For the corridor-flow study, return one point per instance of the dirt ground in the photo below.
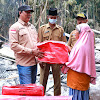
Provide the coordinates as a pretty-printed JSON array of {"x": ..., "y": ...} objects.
[
  {"x": 9, "y": 76},
  {"x": 95, "y": 89}
]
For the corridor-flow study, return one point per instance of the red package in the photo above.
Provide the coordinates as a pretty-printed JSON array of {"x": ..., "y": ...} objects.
[
  {"x": 26, "y": 89},
  {"x": 13, "y": 97},
  {"x": 55, "y": 52}
]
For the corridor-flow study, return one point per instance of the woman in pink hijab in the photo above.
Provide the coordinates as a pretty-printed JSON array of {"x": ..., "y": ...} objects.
[{"x": 81, "y": 64}]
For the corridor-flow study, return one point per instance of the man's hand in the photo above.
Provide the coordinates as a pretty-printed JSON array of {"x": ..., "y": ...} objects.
[
  {"x": 42, "y": 64},
  {"x": 38, "y": 53}
]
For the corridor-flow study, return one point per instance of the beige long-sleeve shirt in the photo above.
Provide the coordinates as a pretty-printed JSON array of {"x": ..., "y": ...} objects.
[
  {"x": 46, "y": 33},
  {"x": 23, "y": 38},
  {"x": 74, "y": 35}
]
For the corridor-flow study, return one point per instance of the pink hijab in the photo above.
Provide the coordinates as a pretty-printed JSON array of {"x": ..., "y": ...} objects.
[{"x": 82, "y": 57}]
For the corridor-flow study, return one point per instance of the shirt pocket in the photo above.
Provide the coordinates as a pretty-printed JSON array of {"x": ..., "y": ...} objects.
[
  {"x": 23, "y": 36},
  {"x": 34, "y": 34},
  {"x": 57, "y": 37},
  {"x": 46, "y": 36}
]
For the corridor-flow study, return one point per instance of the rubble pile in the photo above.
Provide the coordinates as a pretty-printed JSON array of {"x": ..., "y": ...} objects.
[{"x": 9, "y": 76}]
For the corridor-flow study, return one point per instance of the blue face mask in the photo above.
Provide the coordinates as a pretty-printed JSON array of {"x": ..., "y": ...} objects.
[{"x": 52, "y": 21}]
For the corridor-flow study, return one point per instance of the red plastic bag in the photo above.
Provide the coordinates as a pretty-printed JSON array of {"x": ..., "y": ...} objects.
[
  {"x": 55, "y": 52},
  {"x": 13, "y": 97},
  {"x": 26, "y": 89}
]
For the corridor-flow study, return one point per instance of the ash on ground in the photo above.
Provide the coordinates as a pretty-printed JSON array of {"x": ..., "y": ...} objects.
[{"x": 9, "y": 76}]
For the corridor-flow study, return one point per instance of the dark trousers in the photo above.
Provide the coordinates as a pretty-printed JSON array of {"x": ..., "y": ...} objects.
[{"x": 44, "y": 72}]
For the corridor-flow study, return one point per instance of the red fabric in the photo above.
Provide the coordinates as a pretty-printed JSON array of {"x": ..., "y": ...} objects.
[
  {"x": 9, "y": 97},
  {"x": 26, "y": 89},
  {"x": 55, "y": 52}
]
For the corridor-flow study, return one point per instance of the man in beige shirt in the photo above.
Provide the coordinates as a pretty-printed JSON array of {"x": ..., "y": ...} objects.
[
  {"x": 23, "y": 40},
  {"x": 51, "y": 31}
]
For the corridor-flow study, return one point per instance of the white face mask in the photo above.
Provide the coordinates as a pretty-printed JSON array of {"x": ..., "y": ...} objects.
[{"x": 52, "y": 21}]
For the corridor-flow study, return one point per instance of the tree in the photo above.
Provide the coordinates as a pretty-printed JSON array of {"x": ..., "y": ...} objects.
[{"x": 67, "y": 9}]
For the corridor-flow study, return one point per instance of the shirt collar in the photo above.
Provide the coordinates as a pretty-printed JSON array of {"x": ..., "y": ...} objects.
[
  {"x": 23, "y": 23},
  {"x": 56, "y": 26}
]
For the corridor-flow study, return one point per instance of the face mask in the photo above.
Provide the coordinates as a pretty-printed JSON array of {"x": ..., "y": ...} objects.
[{"x": 52, "y": 21}]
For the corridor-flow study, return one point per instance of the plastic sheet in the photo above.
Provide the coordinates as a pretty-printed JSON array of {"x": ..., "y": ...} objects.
[
  {"x": 9, "y": 97},
  {"x": 55, "y": 52},
  {"x": 27, "y": 89}
]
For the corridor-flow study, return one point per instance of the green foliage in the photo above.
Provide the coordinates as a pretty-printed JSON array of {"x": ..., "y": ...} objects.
[
  {"x": 8, "y": 14},
  {"x": 71, "y": 2}
]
